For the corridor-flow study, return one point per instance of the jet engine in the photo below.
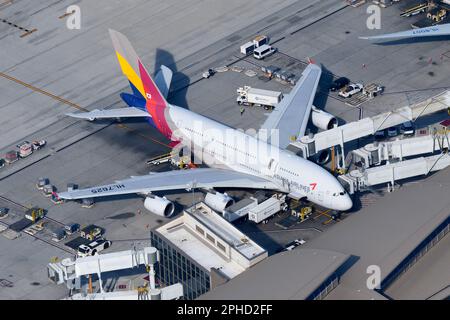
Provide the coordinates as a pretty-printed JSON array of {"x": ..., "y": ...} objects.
[
  {"x": 322, "y": 157},
  {"x": 218, "y": 201},
  {"x": 322, "y": 120},
  {"x": 160, "y": 206}
]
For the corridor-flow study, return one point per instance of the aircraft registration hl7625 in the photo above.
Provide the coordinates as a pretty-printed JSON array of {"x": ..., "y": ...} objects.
[{"x": 235, "y": 159}]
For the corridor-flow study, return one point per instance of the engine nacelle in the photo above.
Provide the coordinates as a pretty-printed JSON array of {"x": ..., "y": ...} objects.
[
  {"x": 160, "y": 206},
  {"x": 322, "y": 120},
  {"x": 322, "y": 157},
  {"x": 218, "y": 201}
]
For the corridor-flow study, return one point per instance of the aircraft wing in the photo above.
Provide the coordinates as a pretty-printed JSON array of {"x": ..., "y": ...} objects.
[
  {"x": 207, "y": 178},
  {"x": 130, "y": 112},
  {"x": 438, "y": 30},
  {"x": 291, "y": 115}
]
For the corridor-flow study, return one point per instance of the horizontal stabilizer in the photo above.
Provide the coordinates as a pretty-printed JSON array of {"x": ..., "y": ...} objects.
[{"x": 110, "y": 114}]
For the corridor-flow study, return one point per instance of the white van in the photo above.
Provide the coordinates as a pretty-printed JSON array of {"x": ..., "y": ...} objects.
[{"x": 263, "y": 51}]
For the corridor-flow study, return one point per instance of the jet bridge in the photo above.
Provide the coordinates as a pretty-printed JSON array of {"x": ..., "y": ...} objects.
[
  {"x": 375, "y": 153},
  {"x": 358, "y": 180},
  {"x": 311, "y": 145},
  {"x": 70, "y": 271}
]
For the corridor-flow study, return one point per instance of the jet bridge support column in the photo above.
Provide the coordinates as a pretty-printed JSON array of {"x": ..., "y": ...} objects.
[{"x": 342, "y": 149}]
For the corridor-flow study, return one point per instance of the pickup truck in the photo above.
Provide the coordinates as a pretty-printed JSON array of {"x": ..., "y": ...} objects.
[{"x": 350, "y": 90}]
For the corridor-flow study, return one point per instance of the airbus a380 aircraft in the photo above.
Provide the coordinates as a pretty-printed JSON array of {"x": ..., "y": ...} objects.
[{"x": 234, "y": 158}]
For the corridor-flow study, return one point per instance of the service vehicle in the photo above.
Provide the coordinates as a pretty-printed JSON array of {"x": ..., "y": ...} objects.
[
  {"x": 42, "y": 182},
  {"x": 294, "y": 244},
  {"x": 11, "y": 157},
  {"x": 71, "y": 228},
  {"x": 25, "y": 149},
  {"x": 407, "y": 129},
  {"x": 38, "y": 144},
  {"x": 263, "y": 211},
  {"x": 91, "y": 232},
  {"x": 93, "y": 248},
  {"x": 247, "y": 48},
  {"x": 339, "y": 83},
  {"x": 208, "y": 73},
  {"x": 257, "y": 42},
  {"x": 58, "y": 234},
  {"x": 350, "y": 90},
  {"x": 260, "y": 41},
  {"x": 249, "y": 96},
  {"x": 240, "y": 209},
  {"x": 372, "y": 90},
  {"x": 34, "y": 214},
  {"x": 380, "y": 134},
  {"x": 270, "y": 71},
  {"x": 263, "y": 51},
  {"x": 392, "y": 132},
  {"x": 3, "y": 212}
]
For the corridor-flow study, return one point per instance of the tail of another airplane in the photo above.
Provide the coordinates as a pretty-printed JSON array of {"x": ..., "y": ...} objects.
[{"x": 139, "y": 78}]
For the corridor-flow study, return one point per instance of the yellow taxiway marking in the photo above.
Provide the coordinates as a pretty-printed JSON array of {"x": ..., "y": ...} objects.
[{"x": 323, "y": 213}]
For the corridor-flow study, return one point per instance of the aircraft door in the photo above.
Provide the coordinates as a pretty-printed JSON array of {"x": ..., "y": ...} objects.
[{"x": 272, "y": 167}]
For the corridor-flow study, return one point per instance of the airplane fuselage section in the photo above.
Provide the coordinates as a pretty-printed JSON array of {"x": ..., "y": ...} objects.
[{"x": 218, "y": 145}]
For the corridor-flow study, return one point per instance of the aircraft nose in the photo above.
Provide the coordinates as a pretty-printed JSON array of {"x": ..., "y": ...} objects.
[{"x": 344, "y": 203}]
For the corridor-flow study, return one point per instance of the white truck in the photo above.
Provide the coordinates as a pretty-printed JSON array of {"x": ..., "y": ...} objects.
[
  {"x": 266, "y": 209},
  {"x": 257, "y": 42},
  {"x": 249, "y": 96},
  {"x": 239, "y": 209}
]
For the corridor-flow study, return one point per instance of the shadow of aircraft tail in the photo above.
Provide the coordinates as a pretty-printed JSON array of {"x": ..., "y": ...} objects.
[{"x": 180, "y": 82}]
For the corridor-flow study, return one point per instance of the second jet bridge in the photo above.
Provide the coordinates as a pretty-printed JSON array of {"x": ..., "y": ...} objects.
[
  {"x": 308, "y": 146},
  {"x": 375, "y": 153}
]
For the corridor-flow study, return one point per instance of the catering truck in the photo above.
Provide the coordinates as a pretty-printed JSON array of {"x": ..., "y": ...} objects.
[
  {"x": 249, "y": 96},
  {"x": 266, "y": 209}
]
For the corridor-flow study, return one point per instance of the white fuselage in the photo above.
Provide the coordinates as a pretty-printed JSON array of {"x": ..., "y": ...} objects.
[{"x": 218, "y": 145}]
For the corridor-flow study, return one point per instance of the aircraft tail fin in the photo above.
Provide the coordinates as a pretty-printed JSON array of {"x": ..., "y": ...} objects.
[{"x": 136, "y": 73}]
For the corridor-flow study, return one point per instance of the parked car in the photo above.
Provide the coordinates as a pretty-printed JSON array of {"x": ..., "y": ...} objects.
[
  {"x": 407, "y": 129},
  {"x": 380, "y": 135},
  {"x": 2, "y": 162},
  {"x": 392, "y": 132},
  {"x": 338, "y": 84},
  {"x": 294, "y": 244},
  {"x": 93, "y": 248},
  {"x": 350, "y": 90}
]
